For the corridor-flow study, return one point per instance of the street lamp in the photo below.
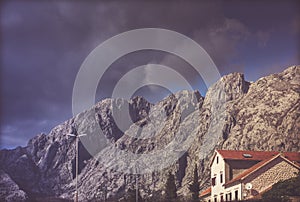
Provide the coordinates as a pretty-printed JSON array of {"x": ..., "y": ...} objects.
[
  {"x": 77, "y": 140},
  {"x": 136, "y": 187}
]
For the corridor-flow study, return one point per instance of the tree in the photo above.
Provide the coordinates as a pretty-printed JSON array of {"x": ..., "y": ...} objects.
[
  {"x": 195, "y": 186},
  {"x": 131, "y": 195},
  {"x": 171, "y": 190},
  {"x": 283, "y": 189},
  {"x": 155, "y": 196}
]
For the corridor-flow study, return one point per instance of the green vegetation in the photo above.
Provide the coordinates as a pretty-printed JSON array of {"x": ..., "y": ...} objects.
[
  {"x": 195, "y": 186},
  {"x": 282, "y": 190},
  {"x": 131, "y": 195},
  {"x": 171, "y": 190}
]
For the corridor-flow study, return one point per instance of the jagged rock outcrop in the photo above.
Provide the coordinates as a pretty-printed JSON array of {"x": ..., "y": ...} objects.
[
  {"x": 234, "y": 114},
  {"x": 9, "y": 190},
  {"x": 267, "y": 117}
]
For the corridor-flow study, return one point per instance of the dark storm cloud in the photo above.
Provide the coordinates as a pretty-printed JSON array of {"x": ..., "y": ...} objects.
[{"x": 45, "y": 42}]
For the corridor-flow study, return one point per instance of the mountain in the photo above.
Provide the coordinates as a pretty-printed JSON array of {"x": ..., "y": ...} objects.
[{"x": 170, "y": 136}]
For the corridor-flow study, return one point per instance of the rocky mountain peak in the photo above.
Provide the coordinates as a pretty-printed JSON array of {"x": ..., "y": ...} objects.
[
  {"x": 234, "y": 114},
  {"x": 229, "y": 87}
]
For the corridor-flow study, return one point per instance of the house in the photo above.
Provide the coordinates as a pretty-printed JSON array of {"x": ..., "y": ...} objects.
[{"x": 238, "y": 175}]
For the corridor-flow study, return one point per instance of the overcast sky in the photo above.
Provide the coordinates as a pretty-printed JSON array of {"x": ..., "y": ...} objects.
[{"x": 43, "y": 44}]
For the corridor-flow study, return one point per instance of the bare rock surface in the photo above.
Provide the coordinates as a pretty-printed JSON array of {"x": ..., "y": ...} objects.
[
  {"x": 234, "y": 114},
  {"x": 9, "y": 190}
]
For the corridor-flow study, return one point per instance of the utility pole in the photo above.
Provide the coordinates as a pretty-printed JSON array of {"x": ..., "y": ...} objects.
[
  {"x": 77, "y": 136},
  {"x": 136, "y": 188}
]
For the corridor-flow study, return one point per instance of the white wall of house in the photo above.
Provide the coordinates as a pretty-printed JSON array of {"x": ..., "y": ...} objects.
[
  {"x": 218, "y": 172},
  {"x": 218, "y": 191},
  {"x": 235, "y": 191},
  {"x": 261, "y": 179},
  {"x": 206, "y": 199}
]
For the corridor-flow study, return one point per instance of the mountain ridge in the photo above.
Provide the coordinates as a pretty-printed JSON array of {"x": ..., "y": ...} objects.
[{"x": 234, "y": 114}]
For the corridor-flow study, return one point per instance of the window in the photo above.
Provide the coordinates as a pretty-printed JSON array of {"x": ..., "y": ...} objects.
[
  {"x": 221, "y": 178},
  {"x": 236, "y": 195},
  {"x": 226, "y": 197},
  {"x": 213, "y": 181},
  {"x": 222, "y": 198},
  {"x": 215, "y": 200},
  {"x": 230, "y": 197},
  {"x": 208, "y": 200},
  {"x": 217, "y": 159}
]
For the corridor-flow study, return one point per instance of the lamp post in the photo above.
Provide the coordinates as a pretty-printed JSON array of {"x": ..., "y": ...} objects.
[
  {"x": 77, "y": 140},
  {"x": 136, "y": 188}
]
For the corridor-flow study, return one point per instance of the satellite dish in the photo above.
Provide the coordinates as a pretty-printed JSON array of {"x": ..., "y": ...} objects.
[{"x": 248, "y": 186}]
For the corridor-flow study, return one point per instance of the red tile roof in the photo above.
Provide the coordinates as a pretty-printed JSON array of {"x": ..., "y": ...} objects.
[
  {"x": 292, "y": 156},
  {"x": 257, "y": 155},
  {"x": 205, "y": 192},
  {"x": 289, "y": 156},
  {"x": 238, "y": 155}
]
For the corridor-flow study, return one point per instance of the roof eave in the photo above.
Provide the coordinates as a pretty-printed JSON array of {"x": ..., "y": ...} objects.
[{"x": 212, "y": 160}]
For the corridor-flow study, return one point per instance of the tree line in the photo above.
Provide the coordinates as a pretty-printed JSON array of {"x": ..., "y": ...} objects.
[{"x": 170, "y": 190}]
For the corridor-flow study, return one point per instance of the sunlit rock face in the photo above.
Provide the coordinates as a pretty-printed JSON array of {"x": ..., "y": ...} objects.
[{"x": 172, "y": 135}]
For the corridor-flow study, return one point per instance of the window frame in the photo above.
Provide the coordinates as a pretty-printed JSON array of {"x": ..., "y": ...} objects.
[
  {"x": 221, "y": 177},
  {"x": 236, "y": 195},
  {"x": 213, "y": 181}
]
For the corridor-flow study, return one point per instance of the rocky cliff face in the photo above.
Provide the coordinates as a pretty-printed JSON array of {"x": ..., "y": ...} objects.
[{"x": 234, "y": 114}]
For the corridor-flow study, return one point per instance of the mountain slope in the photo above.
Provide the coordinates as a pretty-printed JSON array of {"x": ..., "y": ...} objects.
[{"x": 234, "y": 114}]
